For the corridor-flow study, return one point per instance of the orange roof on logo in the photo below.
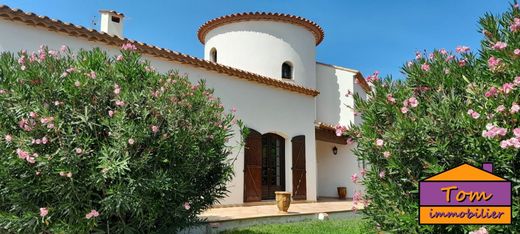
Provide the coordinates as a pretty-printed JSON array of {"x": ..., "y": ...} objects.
[{"x": 465, "y": 172}]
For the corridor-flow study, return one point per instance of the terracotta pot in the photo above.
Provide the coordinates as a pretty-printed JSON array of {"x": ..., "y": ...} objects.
[
  {"x": 283, "y": 200},
  {"x": 342, "y": 193}
]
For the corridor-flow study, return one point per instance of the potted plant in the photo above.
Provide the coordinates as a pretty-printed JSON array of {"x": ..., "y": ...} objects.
[
  {"x": 342, "y": 193},
  {"x": 283, "y": 200}
]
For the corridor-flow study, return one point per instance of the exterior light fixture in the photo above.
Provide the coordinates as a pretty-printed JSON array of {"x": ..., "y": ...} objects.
[{"x": 335, "y": 150}]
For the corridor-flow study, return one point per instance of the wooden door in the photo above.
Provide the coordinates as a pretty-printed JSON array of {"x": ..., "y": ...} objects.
[
  {"x": 298, "y": 168},
  {"x": 253, "y": 167}
]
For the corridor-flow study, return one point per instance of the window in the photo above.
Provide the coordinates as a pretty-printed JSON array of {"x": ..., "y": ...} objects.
[
  {"x": 116, "y": 19},
  {"x": 213, "y": 55},
  {"x": 287, "y": 70}
]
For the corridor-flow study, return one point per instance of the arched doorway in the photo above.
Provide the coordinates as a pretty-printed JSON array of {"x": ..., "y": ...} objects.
[
  {"x": 264, "y": 169},
  {"x": 273, "y": 165}
]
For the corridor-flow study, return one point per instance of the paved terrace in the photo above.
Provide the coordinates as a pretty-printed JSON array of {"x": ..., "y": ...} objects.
[{"x": 269, "y": 209}]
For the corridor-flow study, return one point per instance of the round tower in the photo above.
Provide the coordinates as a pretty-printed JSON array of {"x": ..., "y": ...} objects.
[{"x": 278, "y": 46}]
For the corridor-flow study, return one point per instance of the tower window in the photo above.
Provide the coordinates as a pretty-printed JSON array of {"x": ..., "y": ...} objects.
[
  {"x": 116, "y": 19},
  {"x": 287, "y": 70},
  {"x": 213, "y": 55}
]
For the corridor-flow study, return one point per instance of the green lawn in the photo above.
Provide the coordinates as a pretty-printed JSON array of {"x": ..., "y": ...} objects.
[{"x": 351, "y": 226}]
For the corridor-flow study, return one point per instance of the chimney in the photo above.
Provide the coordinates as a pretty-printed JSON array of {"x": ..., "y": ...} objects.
[
  {"x": 112, "y": 22},
  {"x": 488, "y": 167}
]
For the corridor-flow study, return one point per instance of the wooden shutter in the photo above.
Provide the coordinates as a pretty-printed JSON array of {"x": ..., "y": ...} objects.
[
  {"x": 253, "y": 167},
  {"x": 298, "y": 168}
]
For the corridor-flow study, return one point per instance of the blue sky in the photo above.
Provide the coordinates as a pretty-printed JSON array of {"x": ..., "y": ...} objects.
[{"x": 364, "y": 35}]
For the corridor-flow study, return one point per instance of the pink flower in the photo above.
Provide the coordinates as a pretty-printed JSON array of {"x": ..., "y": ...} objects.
[
  {"x": 507, "y": 88},
  {"x": 473, "y": 114},
  {"x": 155, "y": 129},
  {"x": 26, "y": 124},
  {"x": 499, "y": 46},
  {"x": 44, "y": 211},
  {"x": 516, "y": 132},
  {"x": 77, "y": 83},
  {"x": 2, "y": 91},
  {"x": 515, "y": 26},
  {"x": 129, "y": 46},
  {"x": 517, "y": 52},
  {"x": 187, "y": 205},
  {"x": 517, "y": 81},
  {"x": 494, "y": 63},
  {"x": 69, "y": 174},
  {"x": 71, "y": 70},
  {"x": 119, "y": 58},
  {"x": 462, "y": 49},
  {"x": 515, "y": 108},
  {"x": 92, "y": 74},
  {"x": 418, "y": 55},
  {"x": 446, "y": 71},
  {"x": 481, "y": 230},
  {"x": 120, "y": 103},
  {"x": 363, "y": 172},
  {"x": 340, "y": 129},
  {"x": 386, "y": 154},
  {"x": 117, "y": 89},
  {"x": 45, "y": 140},
  {"x": 404, "y": 109},
  {"x": 22, "y": 154},
  {"x": 491, "y": 92},
  {"x": 8, "y": 138},
  {"x": 493, "y": 131},
  {"x": 30, "y": 160},
  {"x": 46, "y": 120},
  {"x": 425, "y": 67},
  {"x": 373, "y": 77},
  {"x": 78, "y": 150},
  {"x": 92, "y": 214},
  {"x": 390, "y": 98},
  {"x": 357, "y": 197},
  {"x": 500, "y": 108},
  {"x": 462, "y": 62},
  {"x": 379, "y": 142},
  {"x": 443, "y": 51},
  {"x": 233, "y": 109},
  {"x": 64, "y": 48},
  {"x": 50, "y": 126},
  {"x": 413, "y": 102},
  {"x": 354, "y": 178},
  {"x": 131, "y": 141},
  {"x": 110, "y": 113},
  {"x": 382, "y": 174},
  {"x": 450, "y": 58},
  {"x": 409, "y": 63}
]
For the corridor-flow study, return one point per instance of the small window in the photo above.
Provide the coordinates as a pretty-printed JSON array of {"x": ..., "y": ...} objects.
[
  {"x": 213, "y": 55},
  {"x": 116, "y": 19},
  {"x": 287, "y": 70}
]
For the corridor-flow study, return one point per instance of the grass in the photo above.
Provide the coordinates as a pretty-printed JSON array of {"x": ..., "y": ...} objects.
[{"x": 351, "y": 226}]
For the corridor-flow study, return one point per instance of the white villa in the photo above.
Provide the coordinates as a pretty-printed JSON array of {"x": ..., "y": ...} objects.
[{"x": 262, "y": 64}]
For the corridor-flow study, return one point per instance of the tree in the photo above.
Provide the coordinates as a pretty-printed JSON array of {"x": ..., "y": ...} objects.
[
  {"x": 95, "y": 143},
  {"x": 453, "y": 108}
]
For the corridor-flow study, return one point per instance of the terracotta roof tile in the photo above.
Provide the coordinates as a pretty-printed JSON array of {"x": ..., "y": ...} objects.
[
  {"x": 314, "y": 28},
  {"x": 90, "y": 34}
]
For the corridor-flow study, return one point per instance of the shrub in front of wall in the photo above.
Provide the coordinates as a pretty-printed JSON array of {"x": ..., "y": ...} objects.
[
  {"x": 452, "y": 108},
  {"x": 92, "y": 143}
]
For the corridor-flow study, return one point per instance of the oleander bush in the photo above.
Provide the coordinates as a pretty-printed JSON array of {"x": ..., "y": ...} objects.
[
  {"x": 452, "y": 108},
  {"x": 93, "y": 143}
]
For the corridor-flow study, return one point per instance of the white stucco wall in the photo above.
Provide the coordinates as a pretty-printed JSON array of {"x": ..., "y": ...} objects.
[
  {"x": 335, "y": 170},
  {"x": 262, "y": 46},
  {"x": 263, "y": 108},
  {"x": 332, "y": 104}
]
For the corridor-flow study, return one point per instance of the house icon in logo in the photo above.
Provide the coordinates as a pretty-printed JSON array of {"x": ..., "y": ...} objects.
[{"x": 465, "y": 195}]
